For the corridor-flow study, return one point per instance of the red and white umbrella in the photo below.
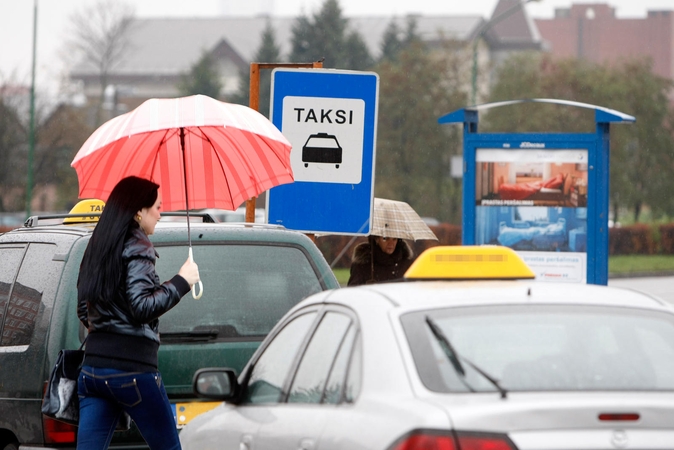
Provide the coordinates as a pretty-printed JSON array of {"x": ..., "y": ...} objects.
[{"x": 202, "y": 152}]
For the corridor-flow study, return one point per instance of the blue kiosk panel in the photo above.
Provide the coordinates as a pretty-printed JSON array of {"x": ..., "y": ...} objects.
[{"x": 543, "y": 194}]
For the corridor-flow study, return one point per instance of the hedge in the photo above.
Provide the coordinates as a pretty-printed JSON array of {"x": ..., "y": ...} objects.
[
  {"x": 633, "y": 239},
  {"x": 667, "y": 238}
]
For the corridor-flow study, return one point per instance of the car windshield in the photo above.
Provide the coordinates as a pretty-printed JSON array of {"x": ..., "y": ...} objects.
[
  {"x": 247, "y": 288},
  {"x": 544, "y": 348}
]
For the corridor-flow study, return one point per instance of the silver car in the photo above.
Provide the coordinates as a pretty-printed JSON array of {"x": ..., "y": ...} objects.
[{"x": 447, "y": 365}]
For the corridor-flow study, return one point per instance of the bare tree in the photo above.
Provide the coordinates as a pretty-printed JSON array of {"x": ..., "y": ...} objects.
[{"x": 99, "y": 39}]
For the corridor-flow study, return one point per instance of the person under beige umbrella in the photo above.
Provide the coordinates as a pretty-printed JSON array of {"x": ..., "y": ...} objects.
[{"x": 386, "y": 256}]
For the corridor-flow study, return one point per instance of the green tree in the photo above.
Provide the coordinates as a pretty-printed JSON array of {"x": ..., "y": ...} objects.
[
  {"x": 639, "y": 151},
  {"x": 391, "y": 43},
  {"x": 643, "y": 155},
  {"x": 357, "y": 55},
  {"x": 13, "y": 144},
  {"x": 60, "y": 132},
  {"x": 324, "y": 37},
  {"x": 395, "y": 39},
  {"x": 202, "y": 78},
  {"x": 60, "y": 136},
  {"x": 268, "y": 52},
  {"x": 412, "y": 35},
  {"x": 413, "y": 151}
]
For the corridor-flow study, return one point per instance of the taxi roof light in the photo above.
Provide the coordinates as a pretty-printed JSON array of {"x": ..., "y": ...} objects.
[
  {"x": 471, "y": 262},
  {"x": 83, "y": 207}
]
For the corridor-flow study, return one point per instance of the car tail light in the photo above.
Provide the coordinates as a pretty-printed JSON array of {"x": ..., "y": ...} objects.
[
  {"x": 56, "y": 432},
  {"x": 619, "y": 417},
  {"x": 423, "y": 441},
  {"x": 437, "y": 440},
  {"x": 493, "y": 442}
]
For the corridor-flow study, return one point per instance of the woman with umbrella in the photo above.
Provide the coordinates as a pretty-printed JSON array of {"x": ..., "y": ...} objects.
[
  {"x": 380, "y": 259},
  {"x": 386, "y": 256},
  {"x": 120, "y": 300}
]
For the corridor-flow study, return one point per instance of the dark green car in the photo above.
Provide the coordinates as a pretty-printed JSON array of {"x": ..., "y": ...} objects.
[{"x": 252, "y": 274}]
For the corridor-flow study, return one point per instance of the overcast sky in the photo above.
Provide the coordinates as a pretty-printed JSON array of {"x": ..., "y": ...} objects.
[{"x": 16, "y": 20}]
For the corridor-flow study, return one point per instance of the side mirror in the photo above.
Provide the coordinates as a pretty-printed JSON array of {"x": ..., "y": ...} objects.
[{"x": 215, "y": 383}]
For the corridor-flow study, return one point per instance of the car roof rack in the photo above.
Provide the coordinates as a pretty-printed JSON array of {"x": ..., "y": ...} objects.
[
  {"x": 205, "y": 217},
  {"x": 34, "y": 221}
]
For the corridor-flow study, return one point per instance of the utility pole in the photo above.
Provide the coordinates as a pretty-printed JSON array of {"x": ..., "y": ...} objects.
[{"x": 31, "y": 132}]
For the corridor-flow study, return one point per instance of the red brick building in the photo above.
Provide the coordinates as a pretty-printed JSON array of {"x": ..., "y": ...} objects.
[{"x": 593, "y": 32}]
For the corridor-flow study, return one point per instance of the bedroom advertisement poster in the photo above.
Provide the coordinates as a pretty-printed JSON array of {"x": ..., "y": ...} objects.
[{"x": 535, "y": 202}]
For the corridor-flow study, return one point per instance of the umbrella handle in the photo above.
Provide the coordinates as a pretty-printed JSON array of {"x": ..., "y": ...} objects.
[{"x": 194, "y": 287}]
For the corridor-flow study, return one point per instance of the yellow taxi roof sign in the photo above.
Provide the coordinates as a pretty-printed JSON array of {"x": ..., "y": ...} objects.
[
  {"x": 469, "y": 262},
  {"x": 89, "y": 206}
]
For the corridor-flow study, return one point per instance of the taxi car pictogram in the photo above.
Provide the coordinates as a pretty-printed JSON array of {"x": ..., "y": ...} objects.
[{"x": 322, "y": 148}]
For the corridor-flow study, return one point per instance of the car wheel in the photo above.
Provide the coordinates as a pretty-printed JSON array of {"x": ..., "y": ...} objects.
[
  {"x": 11, "y": 446},
  {"x": 337, "y": 166},
  {"x": 306, "y": 165}
]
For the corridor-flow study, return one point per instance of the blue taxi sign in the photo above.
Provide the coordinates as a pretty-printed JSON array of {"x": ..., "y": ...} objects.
[{"x": 329, "y": 116}]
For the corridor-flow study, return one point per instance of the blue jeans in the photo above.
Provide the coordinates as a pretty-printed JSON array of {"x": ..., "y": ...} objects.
[{"x": 105, "y": 393}]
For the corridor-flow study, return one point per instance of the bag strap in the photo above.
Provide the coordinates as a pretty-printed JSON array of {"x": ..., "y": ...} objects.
[{"x": 83, "y": 342}]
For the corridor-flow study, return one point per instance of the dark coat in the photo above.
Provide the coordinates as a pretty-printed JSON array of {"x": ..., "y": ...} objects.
[
  {"x": 124, "y": 333},
  {"x": 383, "y": 267},
  {"x": 141, "y": 300}
]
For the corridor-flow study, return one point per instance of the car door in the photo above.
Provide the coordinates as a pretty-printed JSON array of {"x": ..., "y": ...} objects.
[
  {"x": 264, "y": 385},
  {"x": 26, "y": 302},
  {"x": 297, "y": 421}
]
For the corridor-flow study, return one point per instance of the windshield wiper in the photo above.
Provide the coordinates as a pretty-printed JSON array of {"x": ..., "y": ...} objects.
[
  {"x": 492, "y": 380},
  {"x": 455, "y": 359},
  {"x": 190, "y": 336},
  {"x": 446, "y": 347}
]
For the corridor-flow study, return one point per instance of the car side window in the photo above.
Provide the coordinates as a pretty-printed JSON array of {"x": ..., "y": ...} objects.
[
  {"x": 334, "y": 389},
  {"x": 319, "y": 358},
  {"x": 10, "y": 258},
  {"x": 265, "y": 384},
  {"x": 26, "y": 297}
]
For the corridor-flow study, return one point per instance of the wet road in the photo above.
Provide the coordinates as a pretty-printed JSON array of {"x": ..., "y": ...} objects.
[{"x": 662, "y": 287}]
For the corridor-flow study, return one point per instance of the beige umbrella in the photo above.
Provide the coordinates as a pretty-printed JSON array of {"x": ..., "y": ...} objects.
[{"x": 396, "y": 219}]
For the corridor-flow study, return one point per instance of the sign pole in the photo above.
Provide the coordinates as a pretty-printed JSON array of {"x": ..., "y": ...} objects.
[{"x": 254, "y": 103}]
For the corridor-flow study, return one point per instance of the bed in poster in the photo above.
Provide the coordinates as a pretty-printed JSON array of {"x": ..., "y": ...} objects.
[
  {"x": 551, "y": 240},
  {"x": 531, "y": 177}
]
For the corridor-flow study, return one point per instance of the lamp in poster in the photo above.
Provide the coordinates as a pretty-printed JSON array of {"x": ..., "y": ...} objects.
[{"x": 535, "y": 202}]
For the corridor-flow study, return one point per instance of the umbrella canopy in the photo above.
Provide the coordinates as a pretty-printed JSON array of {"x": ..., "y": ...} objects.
[
  {"x": 202, "y": 152},
  {"x": 398, "y": 220}
]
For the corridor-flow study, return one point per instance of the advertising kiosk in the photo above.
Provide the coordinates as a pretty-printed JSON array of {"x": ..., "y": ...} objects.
[{"x": 545, "y": 195}]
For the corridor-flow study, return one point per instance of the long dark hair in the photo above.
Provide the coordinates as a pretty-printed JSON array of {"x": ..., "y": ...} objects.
[{"x": 101, "y": 269}]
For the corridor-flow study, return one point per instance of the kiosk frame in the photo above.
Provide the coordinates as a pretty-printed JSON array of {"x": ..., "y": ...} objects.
[{"x": 597, "y": 145}]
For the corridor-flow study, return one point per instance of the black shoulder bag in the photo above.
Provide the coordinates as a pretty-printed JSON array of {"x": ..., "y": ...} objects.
[{"x": 60, "y": 399}]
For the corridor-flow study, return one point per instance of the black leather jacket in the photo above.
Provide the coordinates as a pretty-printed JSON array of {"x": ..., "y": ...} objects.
[{"x": 136, "y": 309}]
